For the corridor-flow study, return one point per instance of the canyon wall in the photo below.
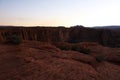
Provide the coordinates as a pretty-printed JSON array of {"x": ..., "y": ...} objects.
[{"x": 106, "y": 37}]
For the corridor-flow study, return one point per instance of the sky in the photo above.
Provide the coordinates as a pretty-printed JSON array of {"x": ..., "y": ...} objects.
[{"x": 67, "y": 13}]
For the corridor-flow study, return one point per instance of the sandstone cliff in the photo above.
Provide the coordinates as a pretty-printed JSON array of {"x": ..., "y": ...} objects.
[{"x": 107, "y": 37}]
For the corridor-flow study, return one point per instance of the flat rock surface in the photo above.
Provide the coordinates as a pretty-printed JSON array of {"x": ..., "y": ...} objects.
[{"x": 34, "y": 60}]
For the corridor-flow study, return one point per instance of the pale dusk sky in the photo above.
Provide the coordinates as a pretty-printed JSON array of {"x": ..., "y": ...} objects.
[{"x": 67, "y": 13}]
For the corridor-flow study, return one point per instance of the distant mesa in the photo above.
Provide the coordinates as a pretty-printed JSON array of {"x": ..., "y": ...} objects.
[
  {"x": 107, "y": 27},
  {"x": 77, "y": 26}
]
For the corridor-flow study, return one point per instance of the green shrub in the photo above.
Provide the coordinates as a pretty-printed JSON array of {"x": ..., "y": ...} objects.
[
  {"x": 14, "y": 39},
  {"x": 100, "y": 58}
]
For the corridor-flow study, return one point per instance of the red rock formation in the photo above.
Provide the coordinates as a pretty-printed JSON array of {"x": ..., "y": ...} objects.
[
  {"x": 34, "y": 60},
  {"x": 38, "y": 33},
  {"x": 105, "y": 37}
]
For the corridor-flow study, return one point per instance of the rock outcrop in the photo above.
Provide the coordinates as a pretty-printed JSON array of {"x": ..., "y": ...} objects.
[
  {"x": 106, "y": 37},
  {"x": 34, "y": 60}
]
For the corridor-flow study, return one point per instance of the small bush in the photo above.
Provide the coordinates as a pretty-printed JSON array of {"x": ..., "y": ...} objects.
[
  {"x": 81, "y": 49},
  {"x": 63, "y": 47},
  {"x": 100, "y": 58},
  {"x": 14, "y": 39},
  {"x": 85, "y": 50},
  {"x": 74, "y": 47}
]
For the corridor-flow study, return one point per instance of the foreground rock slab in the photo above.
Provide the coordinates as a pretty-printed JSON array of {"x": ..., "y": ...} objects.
[{"x": 34, "y": 60}]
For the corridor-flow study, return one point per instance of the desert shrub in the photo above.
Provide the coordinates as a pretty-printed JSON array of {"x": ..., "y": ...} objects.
[
  {"x": 100, "y": 58},
  {"x": 85, "y": 50},
  {"x": 81, "y": 49},
  {"x": 63, "y": 47},
  {"x": 14, "y": 39},
  {"x": 74, "y": 48}
]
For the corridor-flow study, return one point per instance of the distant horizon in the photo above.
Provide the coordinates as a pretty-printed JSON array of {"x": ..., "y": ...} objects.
[
  {"x": 88, "y": 13},
  {"x": 59, "y": 26}
]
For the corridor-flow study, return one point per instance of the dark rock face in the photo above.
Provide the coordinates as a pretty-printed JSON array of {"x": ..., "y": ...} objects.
[
  {"x": 43, "y": 34},
  {"x": 84, "y": 35},
  {"x": 107, "y": 37}
]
